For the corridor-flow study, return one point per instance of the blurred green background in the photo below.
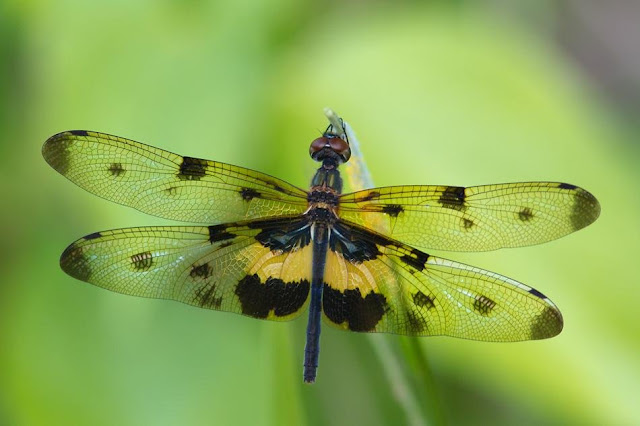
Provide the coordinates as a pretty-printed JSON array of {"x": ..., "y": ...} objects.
[{"x": 460, "y": 93}]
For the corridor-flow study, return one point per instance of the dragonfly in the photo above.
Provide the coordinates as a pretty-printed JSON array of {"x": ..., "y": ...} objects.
[{"x": 267, "y": 249}]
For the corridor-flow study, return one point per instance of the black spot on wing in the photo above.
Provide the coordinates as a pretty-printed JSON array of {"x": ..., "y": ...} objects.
[
  {"x": 525, "y": 214},
  {"x": 483, "y": 305},
  {"x": 548, "y": 324},
  {"x": 566, "y": 186},
  {"x": 74, "y": 262},
  {"x": 416, "y": 324},
  {"x": 417, "y": 259},
  {"x": 360, "y": 313},
  {"x": 206, "y": 296},
  {"x": 201, "y": 271},
  {"x": 79, "y": 132},
  {"x": 249, "y": 194},
  {"x": 283, "y": 234},
  {"x": 258, "y": 299},
  {"x": 219, "y": 233},
  {"x": 142, "y": 261},
  {"x": 172, "y": 190},
  {"x": 453, "y": 198},
  {"x": 274, "y": 185},
  {"x": 369, "y": 196},
  {"x": 422, "y": 300},
  {"x": 116, "y": 169},
  {"x": 192, "y": 169},
  {"x": 353, "y": 245},
  {"x": 467, "y": 223},
  {"x": 93, "y": 236},
  {"x": 392, "y": 210}
]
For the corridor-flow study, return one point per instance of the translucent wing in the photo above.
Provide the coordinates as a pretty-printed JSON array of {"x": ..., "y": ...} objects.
[
  {"x": 224, "y": 267},
  {"x": 374, "y": 284},
  {"x": 477, "y": 218},
  {"x": 167, "y": 185}
]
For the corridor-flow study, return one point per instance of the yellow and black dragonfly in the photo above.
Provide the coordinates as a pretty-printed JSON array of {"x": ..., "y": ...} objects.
[{"x": 267, "y": 249}]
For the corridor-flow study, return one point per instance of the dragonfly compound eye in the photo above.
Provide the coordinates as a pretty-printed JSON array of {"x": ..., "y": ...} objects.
[
  {"x": 317, "y": 145},
  {"x": 341, "y": 147},
  {"x": 337, "y": 145}
]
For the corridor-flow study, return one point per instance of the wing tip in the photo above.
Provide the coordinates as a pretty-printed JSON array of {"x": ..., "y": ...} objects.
[
  {"x": 586, "y": 209},
  {"x": 55, "y": 149},
  {"x": 549, "y": 323},
  {"x": 75, "y": 263}
]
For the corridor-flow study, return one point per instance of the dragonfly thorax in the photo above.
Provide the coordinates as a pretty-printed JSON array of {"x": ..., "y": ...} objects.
[
  {"x": 326, "y": 187},
  {"x": 321, "y": 215},
  {"x": 326, "y": 180}
]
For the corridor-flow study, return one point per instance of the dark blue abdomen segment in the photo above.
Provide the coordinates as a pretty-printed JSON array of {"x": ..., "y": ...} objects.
[{"x": 312, "y": 348}]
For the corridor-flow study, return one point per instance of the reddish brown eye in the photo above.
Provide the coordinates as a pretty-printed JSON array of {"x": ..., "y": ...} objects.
[
  {"x": 317, "y": 145},
  {"x": 321, "y": 147},
  {"x": 340, "y": 147}
]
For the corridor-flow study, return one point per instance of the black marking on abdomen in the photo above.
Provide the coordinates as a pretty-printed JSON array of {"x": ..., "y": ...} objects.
[
  {"x": 566, "y": 186},
  {"x": 93, "y": 236},
  {"x": 392, "y": 210},
  {"x": 453, "y": 198},
  {"x": 360, "y": 313},
  {"x": 201, "y": 271},
  {"x": 206, "y": 296},
  {"x": 249, "y": 194},
  {"x": 142, "y": 261},
  {"x": 74, "y": 262},
  {"x": 258, "y": 299},
  {"x": 192, "y": 169},
  {"x": 483, "y": 305},
  {"x": 219, "y": 233},
  {"x": 417, "y": 259},
  {"x": 525, "y": 214},
  {"x": 116, "y": 169},
  {"x": 422, "y": 300}
]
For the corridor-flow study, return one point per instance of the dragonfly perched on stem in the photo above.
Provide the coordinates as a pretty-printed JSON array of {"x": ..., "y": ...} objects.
[{"x": 268, "y": 249}]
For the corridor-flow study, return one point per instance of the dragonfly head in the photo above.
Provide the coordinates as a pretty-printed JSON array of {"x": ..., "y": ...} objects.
[{"x": 330, "y": 148}]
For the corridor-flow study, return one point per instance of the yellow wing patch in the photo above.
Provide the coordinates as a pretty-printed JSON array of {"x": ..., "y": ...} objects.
[
  {"x": 224, "y": 267},
  {"x": 167, "y": 185},
  {"x": 421, "y": 295},
  {"x": 477, "y": 218}
]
